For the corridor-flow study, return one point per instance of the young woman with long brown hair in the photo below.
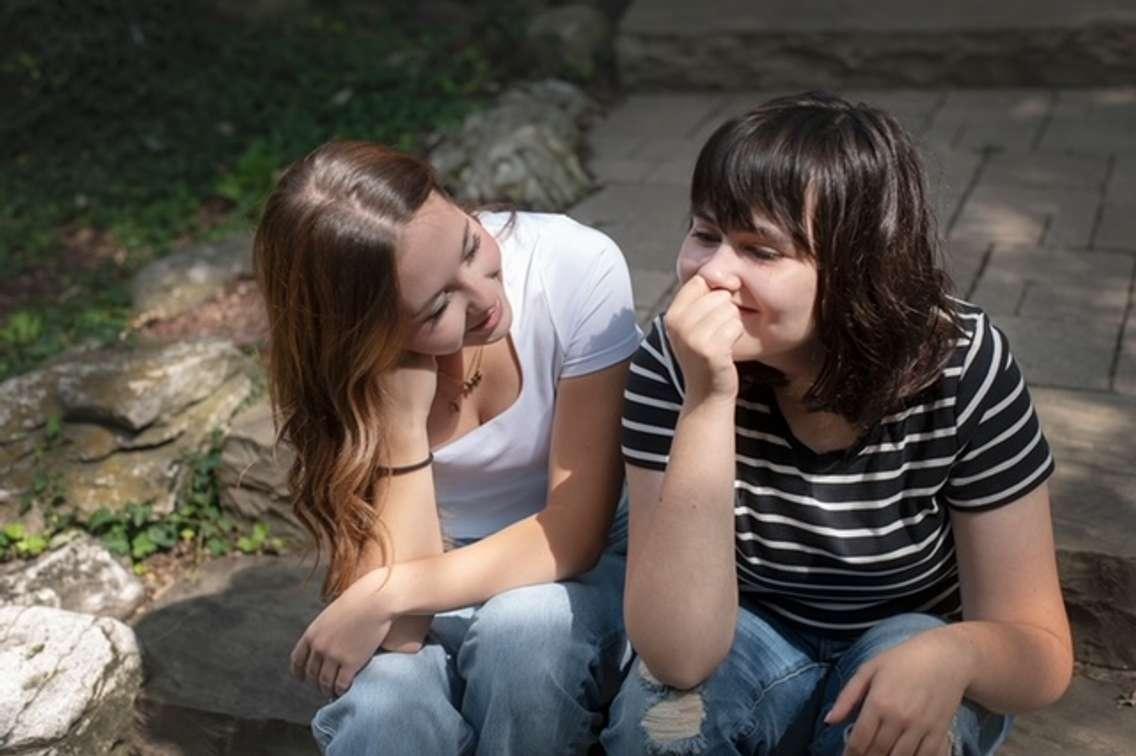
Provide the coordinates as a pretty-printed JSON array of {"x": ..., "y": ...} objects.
[
  {"x": 840, "y": 537},
  {"x": 449, "y": 377}
]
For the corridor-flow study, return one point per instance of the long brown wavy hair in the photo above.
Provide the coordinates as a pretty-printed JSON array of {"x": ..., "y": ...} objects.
[{"x": 324, "y": 258}]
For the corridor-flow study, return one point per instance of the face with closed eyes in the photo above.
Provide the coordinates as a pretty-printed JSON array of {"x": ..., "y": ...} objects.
[
  {"x": 449, "y": 273},
  {"x": 771, "y": 282}
]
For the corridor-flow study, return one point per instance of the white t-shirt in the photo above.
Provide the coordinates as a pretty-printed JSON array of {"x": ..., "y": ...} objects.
[{"x": 573, "y": 314}]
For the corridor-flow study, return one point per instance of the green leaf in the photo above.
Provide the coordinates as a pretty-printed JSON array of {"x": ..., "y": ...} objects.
[
  {"x": 15, "y": 531},
  {"x": 188, "y": 534},
  {"x": 141, "y": 546},
  {"x": 117, "y": 541},
  {"x": 32, "y": 545},
  {"x": 247, "y": 545},
  {"x": 259, "y": 531},
  {"x": 217, "y": 547},
  {"x": 102, "y": 518},
  {"x": 140, "y": 569},
  {"x": 138, "y": 514}
]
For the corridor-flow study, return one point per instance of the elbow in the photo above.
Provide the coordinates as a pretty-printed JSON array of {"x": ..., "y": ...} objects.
[
  {"x": 679, "y": 673},
  {"x": 673, "y": 662}
]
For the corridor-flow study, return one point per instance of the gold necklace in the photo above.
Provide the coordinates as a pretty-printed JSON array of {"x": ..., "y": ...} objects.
[{"x": 466, "y": 386}]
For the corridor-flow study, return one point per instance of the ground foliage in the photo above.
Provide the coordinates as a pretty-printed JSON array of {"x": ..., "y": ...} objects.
[{"x": 132, "y": 125}]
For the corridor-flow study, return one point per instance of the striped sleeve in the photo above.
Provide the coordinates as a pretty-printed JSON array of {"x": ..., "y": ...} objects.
[
  {"x": 1003, "y": 455},
  {"x": 651, "y": 402}
]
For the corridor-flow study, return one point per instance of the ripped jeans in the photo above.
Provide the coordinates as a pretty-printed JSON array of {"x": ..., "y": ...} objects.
[
  {"x": 771, "y": 694},
  {"x": 530, "y": 671}
]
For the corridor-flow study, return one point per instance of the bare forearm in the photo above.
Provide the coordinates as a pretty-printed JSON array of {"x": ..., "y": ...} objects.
[
  {"x": 409, "y": 520},
  {"x": 528, "y": 552},
  {"x": 681, "y": 598},
  {"x": 1013, "y": 668}
]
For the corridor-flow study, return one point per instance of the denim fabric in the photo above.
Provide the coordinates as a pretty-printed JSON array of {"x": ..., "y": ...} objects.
[
  {"x": 770, "y": 696},
  {"x": 530, "y": 671}
]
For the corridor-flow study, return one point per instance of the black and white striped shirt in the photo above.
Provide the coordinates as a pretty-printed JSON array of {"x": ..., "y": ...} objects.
[{"x": 839, "y": 541}]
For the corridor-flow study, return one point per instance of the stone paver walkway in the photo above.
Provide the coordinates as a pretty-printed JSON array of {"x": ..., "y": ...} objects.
[{"x": 1036, "y": 193}]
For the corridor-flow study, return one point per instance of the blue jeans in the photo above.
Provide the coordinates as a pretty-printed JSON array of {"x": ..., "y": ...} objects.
[
  {"x": 530, "y": 671},
  {"x": 771, "y": 694}
]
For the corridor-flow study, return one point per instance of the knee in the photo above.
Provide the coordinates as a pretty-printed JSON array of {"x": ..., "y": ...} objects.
[
  {"x": 899, "y": 628},
  {"x": 528, "y": 629},
  {"x": 668, "y": 720},
  {"x": 382, "y": 693}
]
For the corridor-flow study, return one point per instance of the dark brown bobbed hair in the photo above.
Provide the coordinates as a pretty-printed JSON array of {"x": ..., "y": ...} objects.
[
  {"x": 845, "y": 182},
  {"x": 324, "y": 258}
]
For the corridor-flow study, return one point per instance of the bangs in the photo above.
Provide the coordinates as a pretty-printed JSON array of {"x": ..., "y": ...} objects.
[{"x": 752, "y": 168}]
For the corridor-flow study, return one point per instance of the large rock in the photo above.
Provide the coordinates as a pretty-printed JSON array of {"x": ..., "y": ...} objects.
[
  {"x": 263, "y": 605},
  {"x": 1100, "y": 596},
  {"x": 114, "y": 426},
  {"x": 524, "y": 150},
  {"x": 81, "y": 576},
  {"x": 67, "y": 682},
  {"x": 175, "y": 284},
  {"x": 253, "y": 473},
  {"x": 573, "y": 41}
]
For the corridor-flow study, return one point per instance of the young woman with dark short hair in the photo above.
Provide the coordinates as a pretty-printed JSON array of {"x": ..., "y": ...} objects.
[{"x": 840, "y": 536}]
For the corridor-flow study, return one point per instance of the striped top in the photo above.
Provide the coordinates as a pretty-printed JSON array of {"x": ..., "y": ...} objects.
[{"x": 838, "y": 541}]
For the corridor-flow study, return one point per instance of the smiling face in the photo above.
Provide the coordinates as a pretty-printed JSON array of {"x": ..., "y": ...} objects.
[
  {"x": 449, "y": 273},
  {"x": 773, "y": 284}
]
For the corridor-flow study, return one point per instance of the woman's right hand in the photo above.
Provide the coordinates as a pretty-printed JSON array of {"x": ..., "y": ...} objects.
[
  {"x": 409, "y": 392},
  {"x": 703, "y": 325}
]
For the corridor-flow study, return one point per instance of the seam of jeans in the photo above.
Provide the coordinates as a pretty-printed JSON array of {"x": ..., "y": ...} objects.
[
  {"x": 752, "y": 724},
  {"x": 317, "y": 728}
]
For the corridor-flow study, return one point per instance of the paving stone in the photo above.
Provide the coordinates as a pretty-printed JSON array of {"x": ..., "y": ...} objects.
[
  {"x": 1094, "y": 487},
  {"x": 1122, "y": 182},
  {"x": 621, "y": 170},
  {"x": 653, "y": 289},
  {"x": 648, "y": 221},
  {"x": 1020, "y": 215},
  {"x": 1124, "y": 381},
  {"x": 1044, "y": 170},
  {"x": 1117, "y": 228},
  {"x": 1062, "y": 353},
  {"x": 963, "y": 260},
  {"x": 1093, "y": 122},
  {"x": 1047, "y": 284},
  {"x": 1007, "y": 120},
  {"x": 662, "y": 116},
  {"x": 1086, "y": 722}
]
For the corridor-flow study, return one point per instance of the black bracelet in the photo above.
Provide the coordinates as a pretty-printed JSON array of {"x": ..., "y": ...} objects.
[{"x": 407, "y": 468}]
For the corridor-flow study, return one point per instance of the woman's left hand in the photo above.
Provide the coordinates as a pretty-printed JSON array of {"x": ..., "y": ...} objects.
[
  {"x": 344, "y": 637},
  {"x": 910, "y": 694}
]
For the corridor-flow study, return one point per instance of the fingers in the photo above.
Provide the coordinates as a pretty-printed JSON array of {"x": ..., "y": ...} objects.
[
  {"x": 690, "y": 291},
  {"x": 906, "y": 744},
  {"x": 936, "y": 743},
  {"x": 328, "y": 675},
  {"x": 313, "y": 667},
  {"x": 862, "y": 735},
  {"x": 850, "y": 696},
  {"x": 343, "y": 680},
  {"x": 299, "y": 658}
]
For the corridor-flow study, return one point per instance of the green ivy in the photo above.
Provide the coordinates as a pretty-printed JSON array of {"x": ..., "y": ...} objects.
[{"x": 137, "y": 532}]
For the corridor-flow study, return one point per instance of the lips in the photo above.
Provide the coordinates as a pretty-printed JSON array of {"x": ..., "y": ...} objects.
[{"x": 491, "y": 318}]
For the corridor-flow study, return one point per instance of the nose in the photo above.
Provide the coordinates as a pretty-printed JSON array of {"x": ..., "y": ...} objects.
[
  {"x": 481, "y": 294},
  {"x": 719, "y": 269}
]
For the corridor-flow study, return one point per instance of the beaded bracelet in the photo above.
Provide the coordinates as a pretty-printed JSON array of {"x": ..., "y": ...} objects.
[{"x": 407, "y": 468}]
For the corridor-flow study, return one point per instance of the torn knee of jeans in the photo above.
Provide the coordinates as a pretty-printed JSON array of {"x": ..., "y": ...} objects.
[{"x": 673, "y": 722}]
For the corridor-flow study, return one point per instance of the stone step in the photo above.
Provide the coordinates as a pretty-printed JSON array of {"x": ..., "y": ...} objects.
[
  {"x": 740, "y": 44},
  {"x": 1091, "y": 720}
]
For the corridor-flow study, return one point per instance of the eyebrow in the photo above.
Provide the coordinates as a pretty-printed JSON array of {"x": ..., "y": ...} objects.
[
  {"x": 761, "y": 230},
  {"x": 429, "y": 306}
]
